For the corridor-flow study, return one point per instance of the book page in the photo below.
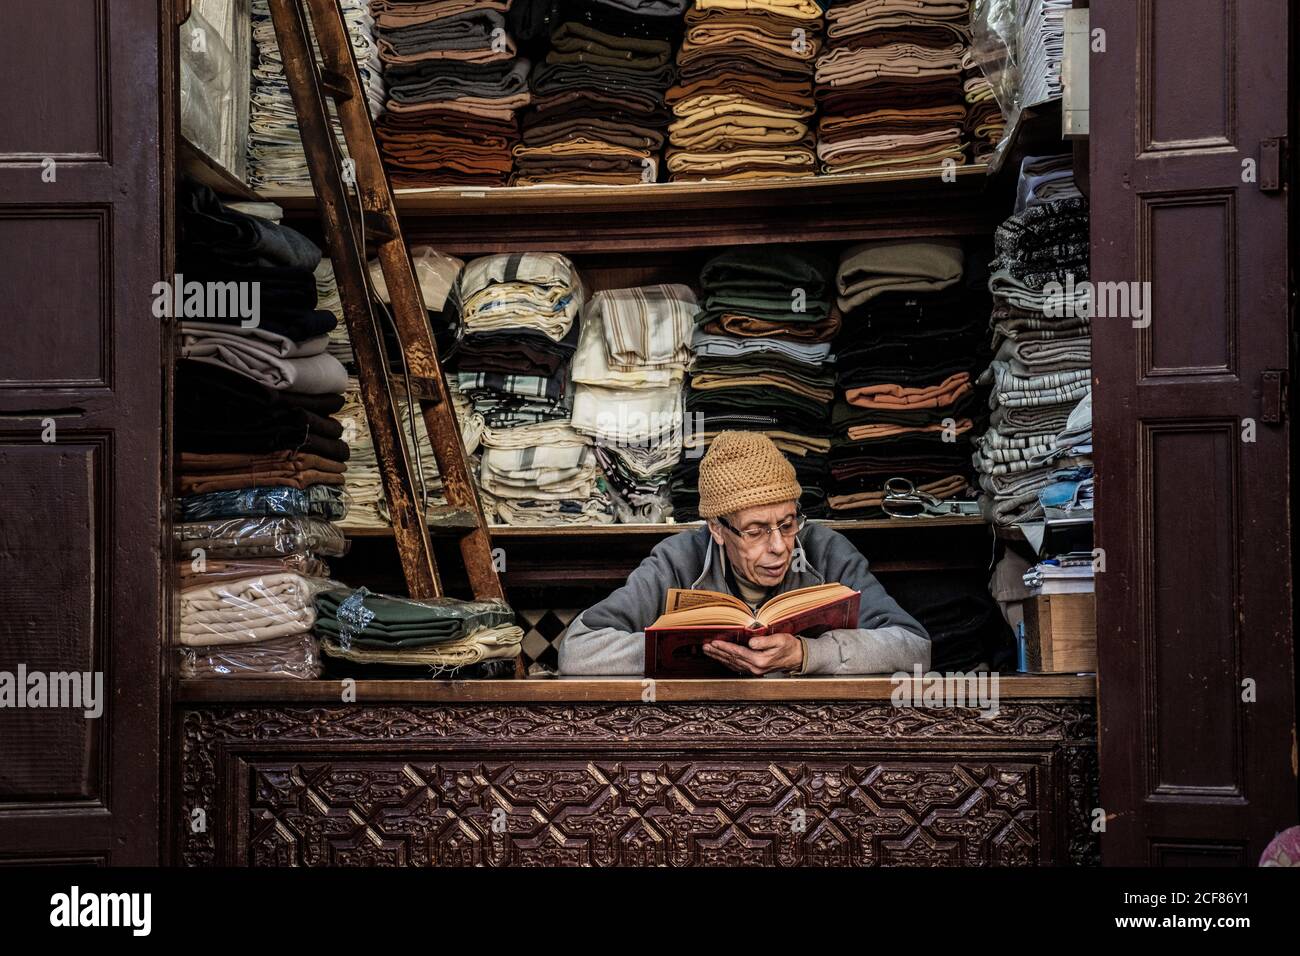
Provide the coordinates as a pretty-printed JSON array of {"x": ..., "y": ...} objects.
[
  {"x": 682, "y": 599},
  {"x": 802, "y": 599},
  {"x": 709, "y": 616}
]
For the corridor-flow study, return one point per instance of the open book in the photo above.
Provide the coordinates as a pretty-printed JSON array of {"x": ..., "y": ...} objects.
[{"x": 675, "y": 641}]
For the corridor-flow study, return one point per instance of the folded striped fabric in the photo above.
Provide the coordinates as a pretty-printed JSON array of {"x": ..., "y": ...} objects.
[{"x": 647, "y": 326}]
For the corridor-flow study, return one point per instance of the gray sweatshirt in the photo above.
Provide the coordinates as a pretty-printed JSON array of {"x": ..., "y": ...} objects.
[{"x": 609, "y": 637}]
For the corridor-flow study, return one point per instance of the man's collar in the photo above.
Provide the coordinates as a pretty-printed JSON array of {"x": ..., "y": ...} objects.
[{"x": 712, "y": 576}]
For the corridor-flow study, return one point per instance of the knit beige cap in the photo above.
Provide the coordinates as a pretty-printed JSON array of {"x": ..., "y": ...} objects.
[{"x": 744, "y": 470}]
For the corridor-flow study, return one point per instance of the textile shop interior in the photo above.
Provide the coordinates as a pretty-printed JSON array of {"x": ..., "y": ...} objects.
[{"x": 859, "y": 228}]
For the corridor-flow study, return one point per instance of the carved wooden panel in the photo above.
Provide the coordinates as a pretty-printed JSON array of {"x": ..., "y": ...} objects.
[
  {"x": 791, "y": 784},
  {"x": 784, "y": 810}
]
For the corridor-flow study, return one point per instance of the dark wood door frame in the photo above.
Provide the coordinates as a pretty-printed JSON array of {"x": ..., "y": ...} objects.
[
  {"x": 84, "y": 172},
  {"x": 1196, "y": 652}
]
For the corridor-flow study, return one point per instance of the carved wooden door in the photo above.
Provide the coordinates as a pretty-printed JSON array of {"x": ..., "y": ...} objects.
[
  {"x": 80, "y": 431},
  {"x": 1197, "y": 665}
]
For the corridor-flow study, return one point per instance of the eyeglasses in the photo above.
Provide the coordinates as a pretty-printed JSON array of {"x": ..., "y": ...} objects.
[{"x": 787, "y": 529}]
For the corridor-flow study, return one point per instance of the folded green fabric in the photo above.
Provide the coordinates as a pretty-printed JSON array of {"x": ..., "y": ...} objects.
[
  {"x": 769, "y": 267},
  {"x": 768, "y": 309},
  {"x": 376, "y": 620},
  {"x": 910, "y": 265},
  {"x": 762, "y": 281}
]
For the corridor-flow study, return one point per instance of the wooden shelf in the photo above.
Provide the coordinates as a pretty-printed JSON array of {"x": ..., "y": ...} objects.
[
  {"x": 461, "y": 200},
  {"x": 202, "y": 168},
  {"x": 663, "y": 530},
  {"x": 575, "y": 219},
  {"x": 612, "y": 689},
  {"x": 602, "y": 556}
]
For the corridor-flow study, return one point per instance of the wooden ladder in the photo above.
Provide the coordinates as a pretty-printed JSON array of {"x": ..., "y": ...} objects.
[{"x": 352, "y": 223}]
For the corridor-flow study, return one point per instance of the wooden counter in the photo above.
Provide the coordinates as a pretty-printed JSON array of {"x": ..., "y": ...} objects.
[
  {"x": 602, "y": 689},
  {"x": 782, "y": 772}
]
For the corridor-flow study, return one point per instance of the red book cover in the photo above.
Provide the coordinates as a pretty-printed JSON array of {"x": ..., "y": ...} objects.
[{"x": 679, "y": 651}]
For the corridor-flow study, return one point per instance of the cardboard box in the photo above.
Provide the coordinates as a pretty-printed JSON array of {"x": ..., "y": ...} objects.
[{"x": 1060, "y": 634}]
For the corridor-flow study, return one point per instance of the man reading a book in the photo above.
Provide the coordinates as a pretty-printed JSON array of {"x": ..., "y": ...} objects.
[{"x": 755, "y": 546}]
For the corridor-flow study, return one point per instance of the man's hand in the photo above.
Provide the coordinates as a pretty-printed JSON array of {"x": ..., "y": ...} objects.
[{"x": 767, "y": 652}]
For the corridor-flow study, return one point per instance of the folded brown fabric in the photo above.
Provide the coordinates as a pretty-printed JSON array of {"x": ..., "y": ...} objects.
[
  {"x": 750, "y": 327},
  {"x": 390, "y": 14},
  {"x": 942, "y": 488},
  {"x": 876, "y": 430},
  {"x": 232, "y": 461},
  {"x": 190, "y": 573},
  {"x": 621, "y": 134},
  {"x": 296, "y": 656},
  {"x": 890, "y": 120},
  {"x": 950, "y": 390},
  {"x": 200, "y": 473}
]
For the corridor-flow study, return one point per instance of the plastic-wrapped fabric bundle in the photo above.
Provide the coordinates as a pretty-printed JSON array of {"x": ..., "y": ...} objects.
[
  {"x": 434, "y": 635},
  {"x": 248, "y": 610},
  {"x": 316, "y": 501},
  {"x": 205, "y": 87},
  {"x": 260, "y": 537},
  {"x": 296, "y": 656}
]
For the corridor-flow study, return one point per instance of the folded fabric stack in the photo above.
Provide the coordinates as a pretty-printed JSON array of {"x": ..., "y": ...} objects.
[
  {"x": 367, "y": 505},
  {"x": 1041, "y": 371},
  {"x": 360, "y": 631},
  {"x": 889, "y": 84},
  {"x": 246, "y": 582},
  {"x": 628, "y": 370},
  {"x": 275, "y": 156},
  {"x": 542, "y": 474},
  {"x": 519, "y": 316},
  {"x": 534, "y": 468},
  {"x": 599, "y": 113},
  {"x": 985, "y": 124},
  {"x": 743, "y": 104},
  {"x": 912, "y": 338},
  {"x": 260, "y": 457},
  {"x": 1042, "y": 46},
  {"x": 327, "y": 300},
  {"x": 436, "y": 272},
  {"x": 1045, "y": 178},
  {"x": 255, "y": 379},
  {"x": 454, "y": 85},
  {"x": 762, "y": 363}
]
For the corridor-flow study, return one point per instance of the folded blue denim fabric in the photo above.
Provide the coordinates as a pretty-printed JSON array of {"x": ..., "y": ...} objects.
[{"x": 316, "y": 501}]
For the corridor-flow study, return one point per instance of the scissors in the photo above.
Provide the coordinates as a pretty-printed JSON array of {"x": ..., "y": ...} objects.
[{"x": 904, "y": 500}]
